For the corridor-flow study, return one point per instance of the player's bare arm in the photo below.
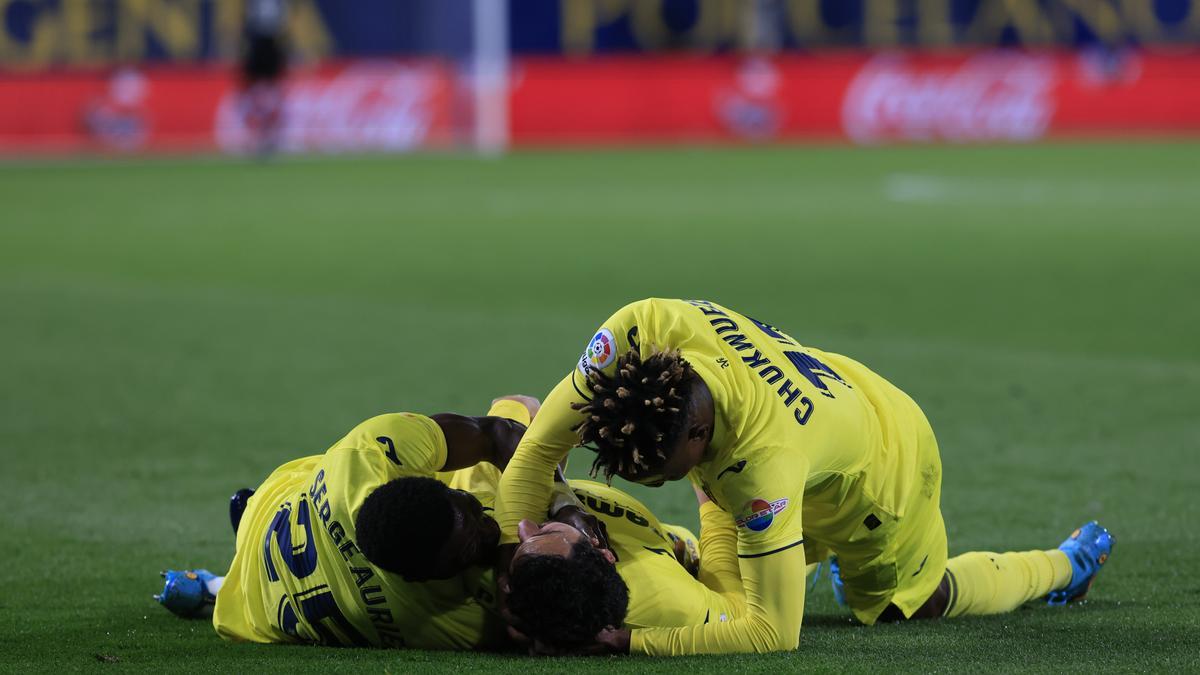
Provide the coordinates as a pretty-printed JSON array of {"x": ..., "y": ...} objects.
[{"x": 471, "y": 440}]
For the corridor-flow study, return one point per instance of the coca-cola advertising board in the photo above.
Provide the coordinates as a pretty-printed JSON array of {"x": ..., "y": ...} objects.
[
  {"x": 988, "y": 97},
  {"x": 985, "y": 96},
  {"x": 355, "y": 106}
]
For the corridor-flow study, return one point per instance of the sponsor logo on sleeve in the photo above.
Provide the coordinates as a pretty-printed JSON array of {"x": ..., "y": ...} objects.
[
  {"x": 758, "y": 514},
  {"x": 601, "y": 352}
]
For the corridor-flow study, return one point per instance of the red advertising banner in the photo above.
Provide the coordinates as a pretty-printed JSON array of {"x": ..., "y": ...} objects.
[
  {"x": 984, "y": 96},
  {"x": 988, "y": 96},
  {"x": 367, "y": 105}
]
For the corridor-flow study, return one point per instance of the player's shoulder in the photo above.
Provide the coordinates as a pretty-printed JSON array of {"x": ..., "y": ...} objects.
[
  {"x": 625, "y": 329},
  {"x": 656, "y": 315},
  {"x": 394, "y": 422},
  {"x": 738, "y": 473},
  {"x": 408, "y": 440},
  {"x": 661, "y": 592},
  {"x": 762, "y": 459}
]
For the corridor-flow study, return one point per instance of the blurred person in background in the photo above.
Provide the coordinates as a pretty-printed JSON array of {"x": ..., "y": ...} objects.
[
  {"x": 263, "y": 68},
  {"x": 119, "y": 118}
]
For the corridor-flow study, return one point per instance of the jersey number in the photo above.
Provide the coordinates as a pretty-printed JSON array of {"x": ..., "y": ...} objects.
[
  {"x": 814, "y": 371},
  {"x": 316, "y": 604},
  {"x": 808, "y": 366},
  {"x": 391, "y": 450}
]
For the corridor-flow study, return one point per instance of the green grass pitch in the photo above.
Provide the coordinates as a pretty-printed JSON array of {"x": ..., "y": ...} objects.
[{"x": 173, "y": 330}]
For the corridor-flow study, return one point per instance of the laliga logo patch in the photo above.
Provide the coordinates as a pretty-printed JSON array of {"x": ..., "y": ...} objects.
[
  {"x": 601, "y": 352},
  {"x": 761, "y": 513}
]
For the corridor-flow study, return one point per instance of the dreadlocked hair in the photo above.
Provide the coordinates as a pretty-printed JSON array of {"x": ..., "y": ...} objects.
[{"x": 637, "y": 414}]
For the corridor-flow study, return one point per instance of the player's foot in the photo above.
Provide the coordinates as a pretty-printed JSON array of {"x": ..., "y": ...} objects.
[
  {"x": 1088, "y": 548},
  {"x": 237, "y": 506},
  {"x": 185, "y": 592},
  {"x": 835, "y": 577}
]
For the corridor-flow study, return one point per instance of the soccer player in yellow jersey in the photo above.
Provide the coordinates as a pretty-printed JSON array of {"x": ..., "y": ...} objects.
[
  {"x": 361, "y": 546},
  {"x": 657, "y": 572},
  {"x": 422, "y": 579},
  {"x": 562, "y": 591},
  {"x": 808, "y": 452}
]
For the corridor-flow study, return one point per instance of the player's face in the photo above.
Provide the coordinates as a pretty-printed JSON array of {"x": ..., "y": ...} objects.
[
  {"x": 472, "y": 542},
  {"x": 547, "y": 539}
]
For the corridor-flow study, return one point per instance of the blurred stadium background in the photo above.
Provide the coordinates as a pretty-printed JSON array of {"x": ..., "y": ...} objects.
[
  {"x": 379, "y": 75},
  {"x": 230, "y": 230}
]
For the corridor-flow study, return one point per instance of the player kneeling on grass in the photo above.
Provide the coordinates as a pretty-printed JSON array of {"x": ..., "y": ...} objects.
[
  {"x": 808, "y": 452},
  {"x": 384, "y": 540}
]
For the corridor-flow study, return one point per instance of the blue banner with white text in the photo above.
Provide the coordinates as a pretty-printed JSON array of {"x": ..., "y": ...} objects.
[{"x": 44, "y": 33}]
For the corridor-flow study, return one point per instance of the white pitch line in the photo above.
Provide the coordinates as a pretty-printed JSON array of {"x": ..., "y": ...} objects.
[{"x": 928, "y": 188}]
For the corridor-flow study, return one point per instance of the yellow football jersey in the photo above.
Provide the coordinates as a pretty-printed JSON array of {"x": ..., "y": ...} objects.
[
  {"x": 797, "y": 429},
  {"x": 806, "y": 444},
  {"x": 297, "y": 575},
  {"x": 661, "y": 591}
]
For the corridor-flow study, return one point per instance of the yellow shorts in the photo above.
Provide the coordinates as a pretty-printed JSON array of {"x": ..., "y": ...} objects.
[{"x": 901, "y": 561}]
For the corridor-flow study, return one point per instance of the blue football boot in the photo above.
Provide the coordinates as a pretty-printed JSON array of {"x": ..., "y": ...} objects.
[
  {"x": 835, "y": 578},
  {"x": 237, "y": 507},
  {"x": 1088, "y": 548},
  {"x": 185, "y": 592}
]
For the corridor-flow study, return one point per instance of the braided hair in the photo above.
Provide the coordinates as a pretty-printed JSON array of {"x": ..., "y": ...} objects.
[{"x": 637, "y": 414}]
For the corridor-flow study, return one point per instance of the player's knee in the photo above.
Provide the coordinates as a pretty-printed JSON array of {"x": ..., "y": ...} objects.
[
  {"x": 937, "y": 604},
  {"x": 934, "y": 607}
]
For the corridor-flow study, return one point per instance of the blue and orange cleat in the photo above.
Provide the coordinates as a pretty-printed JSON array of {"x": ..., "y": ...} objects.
[
  {"x": 185, "y": 592},
  {"x": 1088, "y": 548}
]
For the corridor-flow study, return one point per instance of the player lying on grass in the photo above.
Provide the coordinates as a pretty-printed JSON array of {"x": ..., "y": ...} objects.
[
  {"x": 809, "y": 452},
  {"x": 567, "y": 584},
  {"x": 562, "y": 590},
  {"x": 411, "y": 566},
  {"x": 321, "y": 556}
]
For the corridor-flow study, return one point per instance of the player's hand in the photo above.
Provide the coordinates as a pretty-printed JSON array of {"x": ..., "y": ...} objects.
[
  {"x": 690, "y": 562},
  {"x": 608, "y": 641},
  {"x": 701, "y": 496},
  {"x": 504, "y": 556},
  {"x": 592, "y": 527},
  {"x": 614, "y": 640},
  {"x": 515, "y": 629},
  {"x": 531, "y": 404}
]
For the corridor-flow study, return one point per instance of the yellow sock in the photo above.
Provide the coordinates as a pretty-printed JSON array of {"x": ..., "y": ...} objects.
[
  {"x": 993, "y": 583},
  {"x": 510, "y": 409}
]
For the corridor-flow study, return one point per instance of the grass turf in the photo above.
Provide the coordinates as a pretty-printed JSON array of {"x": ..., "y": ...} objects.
[{"x": 174, "y": 330}]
